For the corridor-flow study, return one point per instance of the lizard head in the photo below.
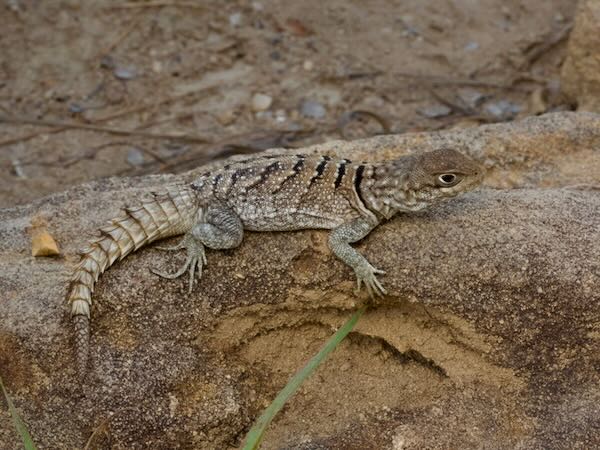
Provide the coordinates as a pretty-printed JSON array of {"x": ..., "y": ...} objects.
[
  {"x": 443, "y": 173},
  {"x": 416, "y": 181}
]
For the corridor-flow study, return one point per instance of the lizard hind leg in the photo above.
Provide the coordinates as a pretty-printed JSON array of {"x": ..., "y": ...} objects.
[{"x": 219, "y": 227}]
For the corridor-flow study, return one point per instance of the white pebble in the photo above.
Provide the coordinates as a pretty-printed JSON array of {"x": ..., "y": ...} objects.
[{"x": 261, "y": 102}]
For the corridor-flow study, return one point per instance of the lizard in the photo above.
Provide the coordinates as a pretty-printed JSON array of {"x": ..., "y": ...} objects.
[{"x": 279, "y": 192}]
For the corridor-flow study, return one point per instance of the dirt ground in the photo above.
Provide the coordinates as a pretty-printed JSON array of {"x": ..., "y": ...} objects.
[
  {"x": 97, "y": 89},
  {"x": 240, "y": 76}
]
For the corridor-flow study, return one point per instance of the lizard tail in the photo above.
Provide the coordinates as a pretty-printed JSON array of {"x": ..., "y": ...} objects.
[
  {"x": 81, "y": 327},
  {"x": 165, "y": 215}
]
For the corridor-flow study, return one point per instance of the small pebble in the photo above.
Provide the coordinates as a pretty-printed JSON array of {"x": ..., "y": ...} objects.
[
  {"x": 280, "y": 116},
  {"x": 226, "y": 117},
  {"x": 308, "y": 65},
  {"x": 18, "y": 169},
  {"x": 107, "y": 62},
  {"x": 76, "y": 108},
  {"x": 157, "y": 66},
  {"x": 312, "y": 109},
  {"x": 13, "y": 5},
  {"x": 471, "y": 97},
  {"x": 261, "y": 102},
  {"x": 471, "y": 46},
  {"x": 235, "y": 19},
  {"x": 135, "y": 156},
  {"x": 123, "y": 73},
  {"x": 434, "y": 111},
  {"x": 502, "y": 109}
]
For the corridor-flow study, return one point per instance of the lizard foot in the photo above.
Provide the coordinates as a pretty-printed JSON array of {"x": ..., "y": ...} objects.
[
  {"x": 366, "y": 275},
  {"x": 196, "y": 258}
]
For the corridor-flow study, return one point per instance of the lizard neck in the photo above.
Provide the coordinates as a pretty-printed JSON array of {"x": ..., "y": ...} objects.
[{"x": 386, "y": 189}]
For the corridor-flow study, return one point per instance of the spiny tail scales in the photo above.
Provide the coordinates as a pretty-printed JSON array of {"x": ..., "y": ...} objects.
[{"x": 167, "y": 214}]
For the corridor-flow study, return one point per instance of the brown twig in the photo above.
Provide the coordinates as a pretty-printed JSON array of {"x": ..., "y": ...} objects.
[
  {"x": 133, "y": 110},
  {"x": 82, "y": 126},
  {"x": 158, "y": 4},
  {"x": 140, "y": 108},
  {"x": 89, "y": 153},
  {"x": 29, "y": 136},
  {"x": 436, "y": 80}
]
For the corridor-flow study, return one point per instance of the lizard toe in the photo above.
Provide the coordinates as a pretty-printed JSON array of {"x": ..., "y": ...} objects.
[
  {"x": 367, "y": 276},
  {"x": 183, "y": 243}
]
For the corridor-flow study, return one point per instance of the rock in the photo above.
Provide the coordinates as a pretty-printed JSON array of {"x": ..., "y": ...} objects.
[
  {"x": 261, "y": 102},
  {"x": 502, "y": 109},
  {"x": 471, "y": 97},
  {"x": 434, "y": 111},
  {"x": 312, "y": 109},
  {"x": 226, "y": 117},
  {"x": 471, "y": 46},
  {"x": 236, "y": 19},
  {"x": 125, "y": 73},
  {"x": 76, "y": 108},
  {"x": 135, "y": 156},
  {"x": 490, "y": 321},
  {"x": 580, "y": 75},
  {"x": 281, "y": 116},
  {"x": 17, "y": 167}
]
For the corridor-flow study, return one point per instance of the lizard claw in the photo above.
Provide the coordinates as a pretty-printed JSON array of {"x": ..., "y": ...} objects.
[
  {"x": 196, "y": 259},
  {"x": 367, "y": 276}
]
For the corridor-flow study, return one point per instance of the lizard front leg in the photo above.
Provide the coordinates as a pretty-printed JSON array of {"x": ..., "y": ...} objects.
[
  {"x": 218, "y": 227},
  {"x": 339, "y": 242}
]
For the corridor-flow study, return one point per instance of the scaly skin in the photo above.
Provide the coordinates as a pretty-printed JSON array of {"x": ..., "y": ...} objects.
[{"x": 273, "y": 193}]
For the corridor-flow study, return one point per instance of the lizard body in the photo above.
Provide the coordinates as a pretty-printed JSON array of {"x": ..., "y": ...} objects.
[{"x": 272, "y": 193}]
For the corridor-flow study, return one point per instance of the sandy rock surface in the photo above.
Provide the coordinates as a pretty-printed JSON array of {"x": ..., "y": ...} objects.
[{"x": 489, "y": 336}]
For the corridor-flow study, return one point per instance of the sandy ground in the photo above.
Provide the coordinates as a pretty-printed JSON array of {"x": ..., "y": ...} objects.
[{"x": 242, "y": 76}]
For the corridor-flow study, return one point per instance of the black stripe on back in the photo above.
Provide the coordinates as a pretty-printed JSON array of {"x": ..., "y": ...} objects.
[
  {"x": 341, "y": 172},
  {"x": 320, "y": 169},
  {"x": 271, "y": 168},
  {"x": 299, "y": 165},
  {"x": 358, "y": 177},
  {"x": 236, "y": 175},
  {"x": 297, "y": 169},
  {"x": 264, "y": 175}
]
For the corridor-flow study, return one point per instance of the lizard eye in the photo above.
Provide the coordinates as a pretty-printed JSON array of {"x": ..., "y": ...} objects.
[{"x": 447, "y": 179}]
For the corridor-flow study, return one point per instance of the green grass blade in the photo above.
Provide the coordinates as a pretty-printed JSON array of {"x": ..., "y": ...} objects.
[
  {"x": 255, "y": 435},
  {"x": 19, "y": 424}
]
